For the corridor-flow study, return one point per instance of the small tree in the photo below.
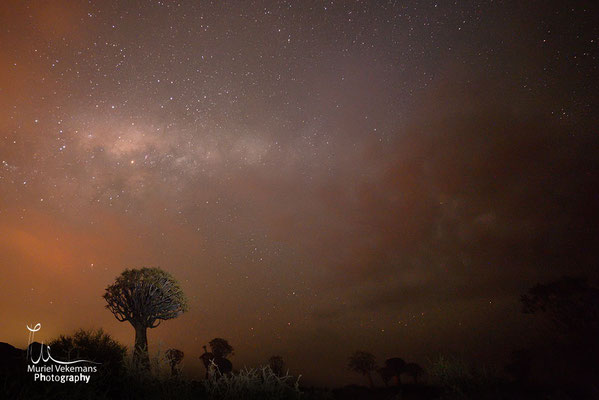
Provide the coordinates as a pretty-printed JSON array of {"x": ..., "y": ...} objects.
[
  {"x": 570, "y": 303},
  {"x": 363, "y": 363},
  {"x": 277, "y": 365},
  {"x": 145, "y": 297},
  {"x": 221, "y": 348},
  {"x": 174, "y": 357},
  {"x": 572, "y": 306}
]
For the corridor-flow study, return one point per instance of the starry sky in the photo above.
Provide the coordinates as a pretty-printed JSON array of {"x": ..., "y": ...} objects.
[{"x": 321, "y": 176}]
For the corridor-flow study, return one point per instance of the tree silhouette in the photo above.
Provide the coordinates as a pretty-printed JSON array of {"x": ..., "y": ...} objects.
[
  {"x": 220, "y": 348},
  {"x": 572, "y": 306},
  {"x": 277, "y": 365},
  {"x": 91, "y": 345},
  {"x": 145, "y": 297},
  {"x": 395, "y": 365},
  {"x": 174, "y": 357},
  {"x": 216, "y": 366},
  {"x": 363, "y": 363},
  {"x": 570, "y": 303}
]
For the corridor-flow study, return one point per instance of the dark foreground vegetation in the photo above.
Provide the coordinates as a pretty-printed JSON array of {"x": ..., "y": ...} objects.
[
  {"x": 121, "y": 378},
  {"x": 564, "y": 366}
]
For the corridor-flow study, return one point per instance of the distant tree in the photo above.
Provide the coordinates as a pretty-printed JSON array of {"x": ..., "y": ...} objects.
[
  {"x": 174, "y": 357},
  {"x": 363, "y": 363},
  {"x": 395, "y": 366},
  {"x": 277, "y": 365},
  {"x": 216, "y": 367},
  {"x": 92, "y": 345},
  {"x": 145, "y": 297},
  {"x": 570, "y": 303},
  {"x": 572, "y": 306},
  {"x": 221, "y": 348},
  {"x": 414, "y": 371}
]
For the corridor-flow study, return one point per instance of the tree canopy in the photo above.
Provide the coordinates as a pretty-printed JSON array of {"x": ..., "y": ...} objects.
[
  {"x": 570, "y": 303},
  {"x": 145, "y": 297},
  {"x": 363, "y": 363},
  {"x": 221, "y": 348},
  {"x": 174, "y": 357},
  {"x": 92, "y": 345}
]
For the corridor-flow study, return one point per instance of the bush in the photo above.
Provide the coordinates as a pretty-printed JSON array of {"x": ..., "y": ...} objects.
[
  {"x": 255, "y": 383},
  {"x": 92, "y": 345},
  {"x": 460, "y": 379}
]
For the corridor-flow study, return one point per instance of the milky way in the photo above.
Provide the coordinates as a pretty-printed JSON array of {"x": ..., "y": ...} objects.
[{"x": 321, "y": 176}]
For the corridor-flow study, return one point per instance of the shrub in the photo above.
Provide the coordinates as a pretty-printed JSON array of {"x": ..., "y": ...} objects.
[
  {"x": 460, "y": 379},
  {"x": 450, "y": 372},
  {"x": 255, "y": 383},
  {"x": 92, "y": 345}
]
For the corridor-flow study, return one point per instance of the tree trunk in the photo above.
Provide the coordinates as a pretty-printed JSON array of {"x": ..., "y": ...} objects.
[{"x": 140, "y": 353}]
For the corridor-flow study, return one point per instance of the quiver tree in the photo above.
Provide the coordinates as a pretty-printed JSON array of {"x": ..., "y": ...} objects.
[
  {"x": 363, "y": 363},
  {"x": 217, "y": 366},
  {"x": 144, "y": 297},
  {"x": 221, "y": 348},
  {"x": 174, "y": 357}
]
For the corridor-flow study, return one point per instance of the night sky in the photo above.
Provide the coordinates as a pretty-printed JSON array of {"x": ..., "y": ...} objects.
[{"x": 320, "y": 176}]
